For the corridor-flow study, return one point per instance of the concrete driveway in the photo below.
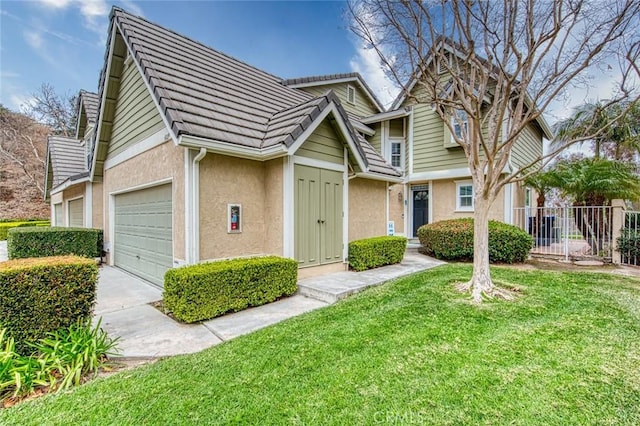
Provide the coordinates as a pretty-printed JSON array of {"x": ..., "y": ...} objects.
[{"x": 124, "y": 304}]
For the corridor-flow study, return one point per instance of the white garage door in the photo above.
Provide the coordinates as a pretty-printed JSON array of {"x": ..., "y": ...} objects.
[
  {"x": 76, "y": 213},
  {"x": 143, "y": 232}
]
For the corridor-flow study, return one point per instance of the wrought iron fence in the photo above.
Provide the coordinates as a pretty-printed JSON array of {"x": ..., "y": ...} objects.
[
  {"x": 629, "y": 241},
  {"x": 569, "y": 232}
]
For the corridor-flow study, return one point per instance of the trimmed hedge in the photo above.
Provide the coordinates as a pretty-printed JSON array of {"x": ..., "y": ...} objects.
[
  {"x": 207, "y": 290},
  {"x": 629, "y": 246},
  {"x": 5, "y": 226},
  {"x": 453, "y": 240},
  {"x": 42, "y": 295},
  {"x": 377, "y": 251},
  {"x": 54, "y": 241}
]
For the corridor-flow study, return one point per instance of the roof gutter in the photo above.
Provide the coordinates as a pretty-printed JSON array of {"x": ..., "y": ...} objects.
[
  {"x": 376, "y": 118},
  {"x": 226, "y": 148},
  {"x": 376, "y": 176},
  {"x": 66, "y": 184}
]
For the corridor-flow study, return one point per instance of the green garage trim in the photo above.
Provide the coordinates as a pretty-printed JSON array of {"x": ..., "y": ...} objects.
[{"x": 143, "y": 233}]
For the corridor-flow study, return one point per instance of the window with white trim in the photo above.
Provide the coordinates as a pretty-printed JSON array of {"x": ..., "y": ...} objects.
[
  {"x": 351, "y": 94},
  {"x": 464, "y": 196},
  {"x": 397, "y": 154},
  {"x": 460, "y": 124}
]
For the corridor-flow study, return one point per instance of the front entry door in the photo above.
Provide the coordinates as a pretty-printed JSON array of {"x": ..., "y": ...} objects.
[
  {"x": 420, "y": 207},
  {"x": 317, "y": 216}
]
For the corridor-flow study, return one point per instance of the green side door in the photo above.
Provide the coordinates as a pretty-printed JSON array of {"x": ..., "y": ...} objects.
[{"x": 318, "y": 216}]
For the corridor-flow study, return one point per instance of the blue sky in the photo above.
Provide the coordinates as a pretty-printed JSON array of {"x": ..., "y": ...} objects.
[{"x": 62, "y": 42}]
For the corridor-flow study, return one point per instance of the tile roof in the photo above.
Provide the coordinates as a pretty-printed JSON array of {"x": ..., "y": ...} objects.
[
  {"x": 208, "y": 94},
  {"x": 67, "y": 158},
  {"x": 90, "y": 103}
]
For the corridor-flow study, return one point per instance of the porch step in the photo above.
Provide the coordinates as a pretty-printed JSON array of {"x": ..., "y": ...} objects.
[
  {"x": 413, "y": 244},
  {"x": 330, "y": 288}
]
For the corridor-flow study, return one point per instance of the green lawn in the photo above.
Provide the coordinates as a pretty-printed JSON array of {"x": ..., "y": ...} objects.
[{"x": 410, "y": 352}]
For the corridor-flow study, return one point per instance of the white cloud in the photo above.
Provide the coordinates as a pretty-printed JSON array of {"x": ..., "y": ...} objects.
[
  {"x": 93, "y": 12},
  {"x": 130, "y": 6},
  {"x": 33, "y": 39},
  {"x": 367, "y": 63},
  {"x": 20, "y": 102},
  {"x": 56, "y": 4}
]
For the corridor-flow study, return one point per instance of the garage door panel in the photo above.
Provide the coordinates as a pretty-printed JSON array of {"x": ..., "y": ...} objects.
[{"x": 143, "y": 232}]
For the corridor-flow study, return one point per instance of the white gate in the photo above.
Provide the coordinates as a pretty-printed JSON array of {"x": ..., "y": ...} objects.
[
  {"x": 570, "y": 232},
  {"x": 628, "y": 243}
]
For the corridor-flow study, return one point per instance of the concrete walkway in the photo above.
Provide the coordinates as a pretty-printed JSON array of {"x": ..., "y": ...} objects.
[{"x": 124, "y": 303}]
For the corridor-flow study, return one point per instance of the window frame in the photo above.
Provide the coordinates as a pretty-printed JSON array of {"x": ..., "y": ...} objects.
[
  {"x": 459, "y": 206},
  {"x": 399, "y": 141},
  {"x": 455, "y": 125},
  {"x": 351, "y": 89}
]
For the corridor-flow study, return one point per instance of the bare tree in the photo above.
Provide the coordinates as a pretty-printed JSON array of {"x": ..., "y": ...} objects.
[
  {"x": 58, "y": 111},
  {"x": 23, "y": 144},
  {"x": 506, "y": 63}
]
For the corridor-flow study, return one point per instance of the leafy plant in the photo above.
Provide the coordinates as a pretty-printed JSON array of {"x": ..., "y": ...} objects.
[
  {"x": 76, "y": 351},
  {"x": 38, "y": 241},
  {"x": 42, "y": 295},
  {"x": 206, "y": 290},
  {"x": 20, "y": 375},
  {"x": 374, "y": 252},
  {"x": 453, "y": 240}
]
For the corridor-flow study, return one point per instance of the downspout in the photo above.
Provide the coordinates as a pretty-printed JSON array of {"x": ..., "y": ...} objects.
[{"x": 195, "y": 206}]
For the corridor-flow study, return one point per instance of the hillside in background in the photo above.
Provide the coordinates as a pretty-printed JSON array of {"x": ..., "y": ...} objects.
[{"x": 23, "y": 145}]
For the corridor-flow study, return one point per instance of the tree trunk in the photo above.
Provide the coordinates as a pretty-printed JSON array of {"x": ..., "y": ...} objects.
[{"x": 481, "y": 283}]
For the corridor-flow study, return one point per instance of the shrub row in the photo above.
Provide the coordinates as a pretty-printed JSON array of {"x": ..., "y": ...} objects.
[
  {"x": 54, "y": 241},
  {"x": 453, "y": 240},
  {"x": 374, "y": 252},
  {"x": 5, "y": 226},
  {"x": 204, "y": 291},
  {"x": 629, "y": 246},
  {"x": 42, "y": 295}
]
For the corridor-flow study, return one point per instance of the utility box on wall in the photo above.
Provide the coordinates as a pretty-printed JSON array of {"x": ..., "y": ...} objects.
[{"x": 234, "y": 218}]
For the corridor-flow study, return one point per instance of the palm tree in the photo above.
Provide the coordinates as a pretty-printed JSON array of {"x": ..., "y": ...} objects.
[
  {"x": 593, "y": 182},
  {"x": 614, "y": 130}
]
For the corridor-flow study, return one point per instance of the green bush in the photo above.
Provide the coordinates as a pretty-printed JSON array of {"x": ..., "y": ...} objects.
[
  {"x": 42, "y": 295},
  {"x": 629, "y": 246},
  {"x": 200, "y": 292},
  {"x": 374, "y": 252},
  {"x": 5, "y": 226},
  {"x": 453, "y": 240},
  {"x": 55, "y": 241}
]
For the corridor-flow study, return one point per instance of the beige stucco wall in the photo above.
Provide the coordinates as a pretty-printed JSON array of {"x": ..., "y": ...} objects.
[
  {"x": 162, "y": 162},
  {"x": 367, "y": 208},
  {"x": 97, "y": 199},
  {"x": 443, "y": 202},
  {"x": 257, "y": 186},
  {"x": 396, "y": 207},
  {"x": 70, "y": 193}
]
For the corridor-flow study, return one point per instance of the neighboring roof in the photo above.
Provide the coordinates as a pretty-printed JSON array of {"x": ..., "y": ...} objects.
[
  {"x": 454, "y": 47},
  {"x": 206, "y": 94},
  {"x": 389, "y": 115},
  {"x": 321, "y": 80},
  {"x": 89, "y": 102},
  {"x": 66, "y": 157}
]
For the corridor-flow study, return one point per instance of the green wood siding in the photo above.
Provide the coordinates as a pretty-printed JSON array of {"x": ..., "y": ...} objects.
[
  {"x": 528, "y": 147},
  {"x": 318, "y": 216},
  {"x": 376, "y": 140},
  {"x": 396, "y": 128},
  {"x": 323, "y": 144},
  {"x": 429, "y": 152},
  {"x": 76, "y": 213},
  {"x": 143, "y": 232},
  {"x": 363, "y": 106},
  {"x": 136, "y": 116}
]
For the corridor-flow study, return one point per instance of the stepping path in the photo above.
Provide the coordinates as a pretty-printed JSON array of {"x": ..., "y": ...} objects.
[{"x": 125, "y": 306}]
